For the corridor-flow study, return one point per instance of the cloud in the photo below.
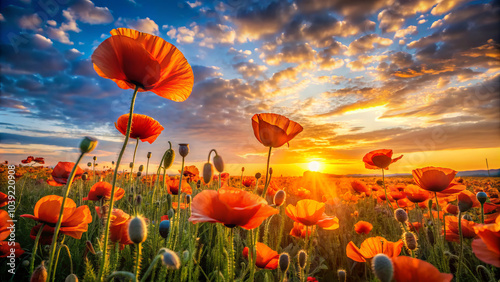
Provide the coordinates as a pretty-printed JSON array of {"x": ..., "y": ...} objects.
[
  {"x": 32, "y": 22},
  {"x": 87, "y": 12},
  {"x": 146, "y": 25},
  {"x": 402, "y": 33},
  {"x": 367, "y": 43},
  {"x": 446, "y": 6},
  {"x": 390, "y": 21},
  {"x": 250, "y": 70}
]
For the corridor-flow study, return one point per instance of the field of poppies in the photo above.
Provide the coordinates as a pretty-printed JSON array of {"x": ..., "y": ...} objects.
[{"x": 72, "y": 224}]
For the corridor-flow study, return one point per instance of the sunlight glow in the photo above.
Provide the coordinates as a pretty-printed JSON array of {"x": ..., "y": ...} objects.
[{"x": 314, "y": 166}]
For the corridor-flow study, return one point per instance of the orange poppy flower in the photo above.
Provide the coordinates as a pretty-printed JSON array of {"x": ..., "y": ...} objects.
[
  {"x": 379, "y": 159},
  {"x": 231, "y": 207},
  {"x": 434, "y": 179},
  {"x": 4, "y": 200},
  {"x": 191, "y": 173},
  {"x": 372, "y": 246},
  {"x": 266, "y": 257},
  {"x": 45, "y": 237},
  {"x": 452, "y": 232},
  {"x": 248, "y": 182},
  {"x": 102, "y": 190},
  {"x": 407, "y": 269},
  {"x": 39, "y": 160},
  {"x": 61, "y": 172},
  {"x": 4, "y": 231},
  {"x": 363, "y": 227},
  {"x": 5, "y": 249},
  {"x": 75, "y": 220},
  {"x": 450, "y": 208},
  {"x": 143, "y": 127},
  {"x": 360, "y": 187},
  {"x": 118, "y": 229},
  {"x": 487, "y": 247},
  {"x": 416, "y": 194},
  {"x": 470, "y": 198},
  {"x": 396, "y": 194},
  {"x": 273, "y": 130},
  {"x": 173, "y": 187},
  {"x": 299, "y": 230},
  {"x": 132, "y": 58},
  {"x": 311, "y": 212}
]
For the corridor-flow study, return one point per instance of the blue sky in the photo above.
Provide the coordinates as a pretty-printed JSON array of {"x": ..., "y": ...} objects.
[{"x": 419, "y": 77}]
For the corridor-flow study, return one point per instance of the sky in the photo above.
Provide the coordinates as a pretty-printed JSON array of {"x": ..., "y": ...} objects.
[{"x": 419, "y": 77}]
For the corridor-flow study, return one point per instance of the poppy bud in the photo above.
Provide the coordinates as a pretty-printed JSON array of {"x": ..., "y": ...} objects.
[
  {"x": 401, "y": 215},
  {"x": 271, "y": 170},
  {"x": 170, "y": 213},
  {"x": 342, "y": 275},
  {"x": 183, "y": 150},
  {"x": 208, "y": 171},
  {"x": 131, "y": 165},
  {"x": 467, "y": 217},
  {"x": 284, "y": 262},
  {"x": 139, "y": 174},
  {"x": 171, "y": 259},
  {"x": 464, "y": 202},
  {"x": 279, "y": 198},
  {"x": 40, "y": 273},
  {"x": 382, "y": 267},
  {"x": 113, "y": 162},
  {"x": 482, "y": 197},
  {"x": 168, "y": 159},
  {"x": 137, "y": 230},
  {"x": 410, "y": 240},
  {"x": 258, "y": 175},
  {"x": 218, "y": 163},
  {"x": 164, "y": 228},
  {"x": 430, "y": 236},
  {"x": 141, "y": 168},
  {"x": 188, "y": 199},
  {"x": 149, "y": 155},
  {"x": 90, "y": 247},
  {"x": 89, "y": 164},
  {"x": 71, "y": 278},
  {"x": 26, "y": 263},
  {"x": 185, "y": 256},
  {"x": 198, "y": 184},
  {"x": 85, "y": 176},
  {"x": 242, "y": 169},
  {"x": 302, "y": 259},
  {"x": 94, "y": 158}
]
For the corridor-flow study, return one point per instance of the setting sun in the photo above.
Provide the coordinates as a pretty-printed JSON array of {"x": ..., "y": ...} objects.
[{"x": 314, "y": 166}]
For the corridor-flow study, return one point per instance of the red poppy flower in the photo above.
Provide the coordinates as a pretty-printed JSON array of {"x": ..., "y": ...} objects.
[
  {"x": 164, "y": 217},
  {"x": 372, "y": 246},
  {"x": 132, "y": 58},
  {"x": 360, "y": 187},
  {"x": 191, "y": 173},
  {"x": 452, "y": 232},
  {"x": 273, "y": 130},
  {"x": 75, "y": 220},
  {"x": 416, "y": 194},
  {"x": 266, "y": 257},
  {"x": 299, "y": 230},
  {"x": 231, "y": 207},
  {"x": 143, "y": 127},
  {"x": 487, "y": 248},
  {"x": 450, "y": 208},
  {"x": 45, "y": 237},
  {"x": 379, "y": 159},
  {"x": 173, "y": 187},
  {"x": 407, "y": 269},
  {"x": 363, "y": 227},
  {"x": 61, "y": 172},
  {"x": 5, "y": 249},
  {"x": 118, "y": 229},
  {"x": 434, "y": 179},
  {"x": 311, "y": 212},
  {"x": 4, "y": 223},
  {"x": 248, "y": 182},
  {"x": 39, "y": 160},
  {"x": 396, "y": 194},
  {"x": 4, "y": 200},
  {"x": 102, "y": 190}
]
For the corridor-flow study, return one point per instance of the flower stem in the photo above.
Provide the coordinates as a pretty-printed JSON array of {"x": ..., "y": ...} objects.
[
  {"x": 138, "y": 261},
  {"x": 133, "y": 161},
  {"x": 267, "y": 172},
  {"x": 59, "y": 221},
  {"x": 461, "y": 245},
  {"x": 35, "y": 247},
  {"x": 231, "y": 255},
  {"x": 385, "y": 191},
  {"x": 112, "y": 200},
  {"x": 482, "y": 213}
]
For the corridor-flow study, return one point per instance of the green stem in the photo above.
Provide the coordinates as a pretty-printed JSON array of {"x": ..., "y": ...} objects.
[
  {"x": 267, "y": 173},
  {"x": 147, "y": 181},
  {"x": 112, "y": 200},
  {"x": 482, "y": 213},
  {"x": 133, "y": 161},
  {"x": 385, "y": 191},
  {"x": 151, "y": 267},
  {"x": 461, "y": 245},
  {"x": 58, "y": 251},
  {"x": 123, "y": 274},
  {"x": 138, "y": 260},
  {"x": 35, "y": 247},
  {"x": 231, "y": 255},
  {"x": 61, "y": 212},
  {"x": 69, "y": 256},
  {"x": 438, "y": 224}
]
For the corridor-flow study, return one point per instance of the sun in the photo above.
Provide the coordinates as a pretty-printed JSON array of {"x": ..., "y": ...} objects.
[{"x": 314, "y": 166}]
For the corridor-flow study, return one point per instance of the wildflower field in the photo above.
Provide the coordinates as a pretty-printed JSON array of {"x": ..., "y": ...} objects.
[{"x": 73, "y": 220}]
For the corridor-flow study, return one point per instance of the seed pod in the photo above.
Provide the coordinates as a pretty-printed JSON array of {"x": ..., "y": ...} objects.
[
  {"x": 198, "y": 184},
  {"x": 401, "y": 215},
  {"x": 139, "y": 174},
  {"x": 168, "y": 158},
  {"x": 342, "y": 275},
  {"x": 164, "y": 228},
  {"x": 149, "y": 155},
  {"x": 85, "y": 176},
  {"x": 40, "y": 273},
  {"x": 188, "y": 199},
  {"x": 271, "y": 171},
  {"x": 26, "y": 263},
  {"x": 183, "y": 150},
  {"x": 71, "y": 278},
  {"x": 410, "y": 241},
  {"x": 258, "y": 175},
  {"x": 382, "y": 267},
  {"x": 141, "y": 168},
  {"x": 482, "y": 197},
  {"x": 430, "y": 236},
  {"x": 284, "y": 262},
  {"x": 137, "y": 230},
  {"x": 279, "y": 198},
  {"x": 171, "y": 259},
  {"x": 94, "y": 158},
  {"x": 89, "y": 164},
  {"x": 218, "y": 163},
  {"x": 170, "y": 213},
  {"x": 242, "y": 169},
  {"x": 88, "y": 144},
  {"x": 208, "y": 171},
  {"x": 131, "y": 165},
  {"x": 113, "y": 162},
  {"x": 302, "y": 259}
]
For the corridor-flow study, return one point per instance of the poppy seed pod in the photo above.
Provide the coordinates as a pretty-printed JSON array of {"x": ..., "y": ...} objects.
[
  {"x": 96, "y": 164},
  {"x": 188, "y": 199},
  {"x": 149, "y": 155},
  {"x": 258, "y": 175},
  {"x": 89, "y": 164},
  {"x": 482, "y": 197},
  {"x": 183, "y": 150},
  {"x": 71, "y": 278},
  {"x": 279, "y": 198},
  {"x": 94, "y": 158},
  {"x": 284, "y": 262},
  {"x": 85, "y": 176},
  {"x": 131, "y": 165},
  {"x": 208, "y": 171},
  {"x": 342, "y": 275},
  {"x": 382, "y": 267},
  {"x": 112, "y": 162},
  {"x": 171, "y": 259},
  {"x": 168, "y": 159},
  {"x": 410, "y": 240},
  {"x": 88, "y": 144},
  {"x": 198, "y": 184},
  {"x": 139, "y": 174},
  {"x": 242, "y": 169},
  {"x": 137, "y": 230},
  {"x": 141, "y": 168},
  {"x": 40, "y": 273},
  {"x": 302, "y": 259},
  {"x": 26, "y": 263},
  {"x": 218, "y": 163},
  {"x": 401, "y": 215},
  {"x": 271, "y": 170},
  {"x": 164, "y": 228}
]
